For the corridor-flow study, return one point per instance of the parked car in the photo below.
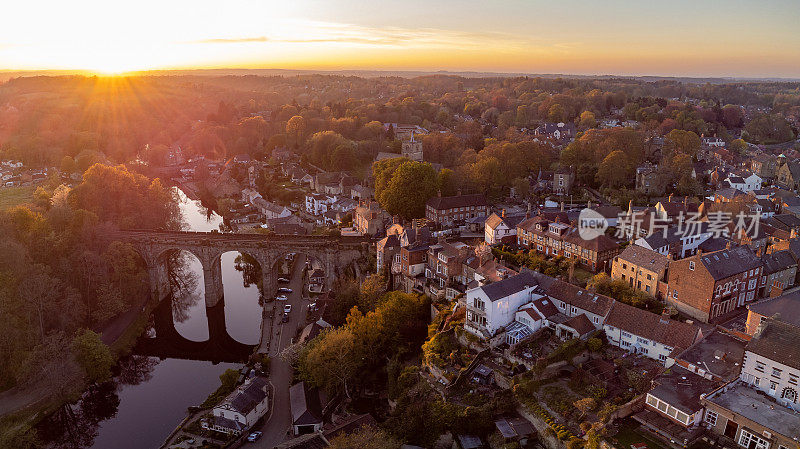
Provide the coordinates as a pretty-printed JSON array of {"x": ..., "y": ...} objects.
[
  {"x": 254, "y": 436},
  {"x": 284, "y": 290},
  {"x": 287, "y": 308},
  {"x": 312, "y": 306},
  {"x": 282, "y": 297},
  {"x": 285, "y": 318},
  {"x": 284, "y": 280}
]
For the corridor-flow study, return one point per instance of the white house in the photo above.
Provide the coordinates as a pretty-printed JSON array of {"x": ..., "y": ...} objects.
[
  {"x": 772, "y": 362},
  {"x": 746, "y": 184},
  {"x": 318, "y": 204},
  {"x": 242, "y": 408},
  {"x": 497, "y": 227},
  {"x": 646, "y": 333},
  {"x": 494, "y": 306},
  {"x": 270, "y": 210}
]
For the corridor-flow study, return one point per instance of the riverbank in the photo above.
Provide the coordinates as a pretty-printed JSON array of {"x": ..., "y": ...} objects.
[{"x": 21, "y": 409}]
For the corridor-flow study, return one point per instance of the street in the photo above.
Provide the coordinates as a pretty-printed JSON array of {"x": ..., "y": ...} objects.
[{"x": 278, "y": 419}]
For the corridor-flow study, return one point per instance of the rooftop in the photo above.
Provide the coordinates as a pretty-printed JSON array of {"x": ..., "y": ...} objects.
[
  {"x": 644, "y": 258},
  {"x": 509, "y": 286},
  {"x": 787, "y": 305},
  {"x": 682, "y": 389},
  {"x": 777, "y": 341},
  {"x": 730, "y": 262},
  {"x": 757, "y": 407},
  {"x": 719, "y": 354},
  {"x": 654, "y": 327}
]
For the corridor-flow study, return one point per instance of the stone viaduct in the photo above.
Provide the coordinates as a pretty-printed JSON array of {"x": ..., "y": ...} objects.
[{"x": 335, "y": 253}]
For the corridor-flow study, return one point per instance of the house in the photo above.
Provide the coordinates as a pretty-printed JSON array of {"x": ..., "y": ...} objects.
[
  {"x": 710, "y": 286},
  {"x": 557, "y": 131},
  {"x": 647, "y": 179},
  {"x": 772, "y": 362},
  {"x": 557, "y": 238},
  {"x": 642, "y": 268},
  {"x": 716, "y": 357},
  {"x": 369, "y": 218},
  {"x": 388, "y": 254},
  {"x": 764, "y": 165},
  {"x": 242, "y": 408},
  {"x": 786, "y": 308},
  {"x": 780, "y": 272},
  {"x": 360, "y": 192},
  {"x": 673, "y": 409},
  {"x": 270, "y": 210},
  {"x": 745, "y": 183},
  {"x": 493, "y": 306},
  {"x": 445, "y": 268},
  {"x": 571, "y": 300},
  {"x": 788, "y": 176},
  {"x": 562, "y": 180},
  {"x": 759, "y": 409},
  {"x": 318, "y": 204},
  {"x": 305, "y": 409},
  {"x": 646, "y": 333},
  {"x": 413, "y": 262},
  {"x": 739, "y": 415},
  {"x": 712, "y": 142},
  {"x": 447, "y": 211},
  {"x": 497, "y": 227}
]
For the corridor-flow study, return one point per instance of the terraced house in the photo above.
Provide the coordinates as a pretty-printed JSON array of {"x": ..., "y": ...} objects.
[{"x": 557, "y": 238}]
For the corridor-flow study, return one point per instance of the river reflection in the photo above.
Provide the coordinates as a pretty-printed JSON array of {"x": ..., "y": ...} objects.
[{"x": 148, "y": 396}]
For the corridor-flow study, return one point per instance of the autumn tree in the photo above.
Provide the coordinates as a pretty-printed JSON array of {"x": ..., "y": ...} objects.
[
  {"x": 684, "y": 141},
  {"x": 296, "y": 127},
  {"x": 403, "y": 187},
  {"x": 93, "y": 356},
  {"x": 615, "y": 170}
]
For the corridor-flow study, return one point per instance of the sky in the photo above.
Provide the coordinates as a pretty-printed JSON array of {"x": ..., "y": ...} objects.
[{"x": 733, "y": 38}]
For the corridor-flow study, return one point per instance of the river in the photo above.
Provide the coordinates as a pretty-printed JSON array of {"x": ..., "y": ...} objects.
[{"x": 148, "y": 396}]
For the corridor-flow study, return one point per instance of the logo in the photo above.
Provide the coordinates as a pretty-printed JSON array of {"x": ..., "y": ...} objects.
[{"x": 591, "y": 224}]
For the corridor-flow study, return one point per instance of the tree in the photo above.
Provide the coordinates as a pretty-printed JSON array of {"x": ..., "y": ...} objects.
[
  {"x": 67, "y": 165},
  {"x": 447, "y": 182},
  {"x": 738, "y": 146},
  {"x": 684, "y": 141},
  {"x": 330, "y": 361},
  {"x": 403, "y": 187},
  {"x": 295, "y": 127},
  {"x": 614, "y": 171},
  {"x": 768, "y": 128},
  {"x": 373, "y": 287},
  {"x": 556, "y": 113},
  {"x": 93, "y": 356},
  {"x": 587, "y": 120}
]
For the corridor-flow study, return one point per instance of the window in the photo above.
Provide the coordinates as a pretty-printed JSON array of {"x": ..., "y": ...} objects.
[
  {"x": 682, "y": 417},
  {"x": 746, "y": 439},
  {"x": 662, "y": 406},
  {"x": 478, "y": 304},
  {"x": 776, "y": 373},
  {"x": 711, "y": 417},
  {"x": 793, "y": 378},
  {"x": 597, "y": 321},
  {"x": 642, "y": 340},
  {"x": 626, "y": 335},
  {"x": 652, "y": 401},
  {"x": 760, "y": 366},
  {"x": 691, "y": 265},
  {"x": 662, "y": 357}
]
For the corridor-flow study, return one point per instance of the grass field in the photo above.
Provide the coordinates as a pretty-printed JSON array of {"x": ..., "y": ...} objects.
[{"x": 12, "y": 196}]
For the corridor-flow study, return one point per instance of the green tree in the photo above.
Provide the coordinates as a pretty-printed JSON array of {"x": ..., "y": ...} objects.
[
  {"x": 403, "y": 187},
  {"x": 587, "y": 120},
  {"x": 684, "y": 141},
  {"x": 93, "y": 356}
]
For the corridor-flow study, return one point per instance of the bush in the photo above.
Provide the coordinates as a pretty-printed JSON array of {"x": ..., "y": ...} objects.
[{"x": 594, "y": 344}]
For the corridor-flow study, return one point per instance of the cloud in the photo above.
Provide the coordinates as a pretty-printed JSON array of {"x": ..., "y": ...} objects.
[{"x": 240, "y": 40}]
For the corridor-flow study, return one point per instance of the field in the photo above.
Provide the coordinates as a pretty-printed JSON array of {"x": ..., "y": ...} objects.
[{"x": 12, "y": 196}]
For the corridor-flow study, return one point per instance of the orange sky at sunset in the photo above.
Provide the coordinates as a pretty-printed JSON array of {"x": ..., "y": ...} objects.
[{"x": 700, "y": 38}]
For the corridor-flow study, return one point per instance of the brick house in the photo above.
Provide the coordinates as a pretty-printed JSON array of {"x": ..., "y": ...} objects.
[
  {"x": 711, "y": 286},
  {"x": 445, "y": 268},
  {"x": 369, "y": 218},
  {"x": 447, "y": 211},
  {"x": 556, "y": 238},
  {"x": 642, "y": 268},
  {"x": 788, "y": 175}
]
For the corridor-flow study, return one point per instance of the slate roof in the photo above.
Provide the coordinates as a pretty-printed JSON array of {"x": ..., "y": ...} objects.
[
  {"x": 449, "y": 202},
  {"x": 777, "y": 261},
  {"x": 246, "y": 400},
  {"x": 304, "y": 405},
  {"x": 787, "y": 305},
  {"x": 644, "y": 258},
  {"x": 598, "y": 244},
  {"x": 777, "y": 341},
  {"x": 728, "y": 262},
  {"x": 574, "y": 295},
  {"x": 509, "y": 286},
  {"x": 651, "y": 326},
  {"x": 681, "y": 389}
]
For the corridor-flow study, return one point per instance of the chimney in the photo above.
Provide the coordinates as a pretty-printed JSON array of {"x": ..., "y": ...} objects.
[
  {"x": 503, "y": 213},
  {"x": 699, "y": 252},
  {"x": 685, "y": 201},
  {"x": 589, "y": 204},
  {"x": 528, "y": 213},
  {"x": 562, "y": 206},
  {"x": 439, "y": 193},
  {"x": 459, "y": 192},
  {"x": 669, "y": 200},
  {"x": 630, "y": 206}
]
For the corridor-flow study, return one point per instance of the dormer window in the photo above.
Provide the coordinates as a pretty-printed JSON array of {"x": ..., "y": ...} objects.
[{"x": 691, "y": 265}]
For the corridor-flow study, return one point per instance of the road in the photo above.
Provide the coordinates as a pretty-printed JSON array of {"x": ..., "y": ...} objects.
[{"x": 279, "y": 421}]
